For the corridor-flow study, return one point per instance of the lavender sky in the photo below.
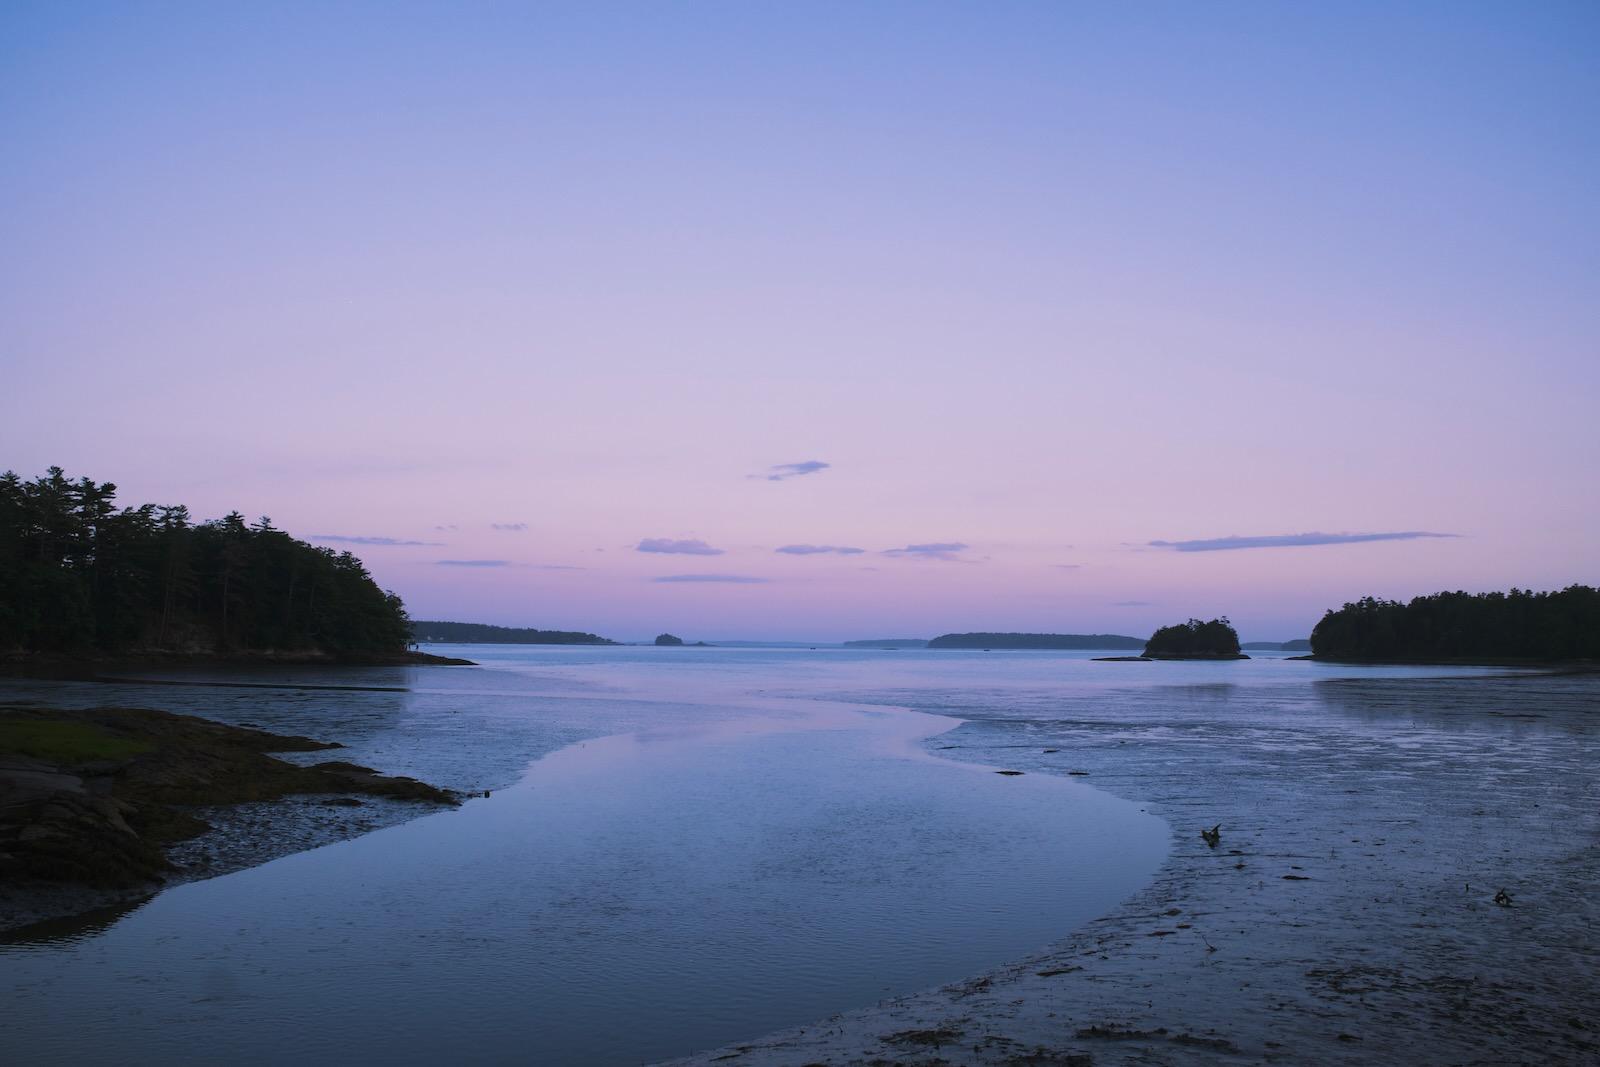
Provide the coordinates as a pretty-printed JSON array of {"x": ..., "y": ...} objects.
[{"x": 1035, "y": 316}]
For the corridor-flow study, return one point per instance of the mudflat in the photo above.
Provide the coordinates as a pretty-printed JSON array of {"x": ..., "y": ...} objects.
[{"x": 1403, "y": 871}]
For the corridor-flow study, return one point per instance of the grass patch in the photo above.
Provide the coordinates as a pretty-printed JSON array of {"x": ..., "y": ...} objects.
[{"x": 66, "y": 743}]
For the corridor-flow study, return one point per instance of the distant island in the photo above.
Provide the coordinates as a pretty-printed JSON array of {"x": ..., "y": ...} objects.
[
  {"x": 890, "y": 642},
  {"x": 1301, "y": 644},
  {"x": 1194, "y": 639},
  {"x": 987, "y": 640},
  {"x": 669, "y": 641},
  {"x": 81, "y": 579},
  {"x": 478, "y": 633},
  {"x": 1516, "y": 627}
]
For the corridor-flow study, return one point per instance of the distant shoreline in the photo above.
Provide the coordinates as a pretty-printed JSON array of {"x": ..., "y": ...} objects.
[{"x": 1459, "y": 661}]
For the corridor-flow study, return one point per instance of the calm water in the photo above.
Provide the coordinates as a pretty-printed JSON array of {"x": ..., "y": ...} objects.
[{"x": 684, "y": 848}]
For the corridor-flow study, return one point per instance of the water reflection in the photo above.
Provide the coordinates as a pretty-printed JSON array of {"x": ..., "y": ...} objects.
[
  {"x": 704, "y": 881},
  {"x": 73, "y": 928}
]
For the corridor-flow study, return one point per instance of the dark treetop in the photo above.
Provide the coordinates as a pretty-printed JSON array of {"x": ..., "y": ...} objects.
[
  {"x": 484, "y": 634},
  {"x": 78, "y": 575},
  {"x": 982, "y": 640},
  {"x": 1195, "y": 640},
  {"x": 1519, "y": 625}
]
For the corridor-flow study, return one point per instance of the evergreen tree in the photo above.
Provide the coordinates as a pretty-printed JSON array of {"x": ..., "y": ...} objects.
[
  {"x": 1521, "y": 624},
  {"x": 79, "y": 575}
]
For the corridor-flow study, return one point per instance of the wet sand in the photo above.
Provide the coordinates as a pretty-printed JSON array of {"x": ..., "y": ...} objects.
[{"x": 1346, "y": 915}]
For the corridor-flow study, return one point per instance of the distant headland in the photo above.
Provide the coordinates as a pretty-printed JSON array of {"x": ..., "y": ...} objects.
[
  {"x": 478, "y": 633},
  {"x": 1056, "y": 641}
]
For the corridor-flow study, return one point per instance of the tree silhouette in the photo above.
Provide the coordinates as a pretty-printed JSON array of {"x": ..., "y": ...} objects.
[
  {"x": 1194, "y": 638},
  {"x": 79, "y": 575},
  {"x": 1520, "y": 624}
]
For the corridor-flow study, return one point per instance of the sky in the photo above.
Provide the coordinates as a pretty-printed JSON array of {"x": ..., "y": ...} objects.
[{"x": 1045, "y": 317}]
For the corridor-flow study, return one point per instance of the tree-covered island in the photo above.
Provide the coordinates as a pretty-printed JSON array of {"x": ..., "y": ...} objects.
[{"x": 1194, "y": 639}]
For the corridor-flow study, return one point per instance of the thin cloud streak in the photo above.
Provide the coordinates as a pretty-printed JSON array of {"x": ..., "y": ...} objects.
[
  {"x": 668, "y": 546},
  {"x": 1224, "y": 544},
  {"x": 731, "y": 579},
  {"x": 939, "y": 550},
  {"x": 518, "y": 526},
  {"x": 386, "y": 541},
  {"x": 780, "y": 472},
  {"x": 472, "y": 563},
  {"x": 817, "y": 550}
]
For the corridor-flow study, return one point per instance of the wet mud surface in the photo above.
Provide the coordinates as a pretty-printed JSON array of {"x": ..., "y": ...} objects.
[{"x": 1347, "y": 912}]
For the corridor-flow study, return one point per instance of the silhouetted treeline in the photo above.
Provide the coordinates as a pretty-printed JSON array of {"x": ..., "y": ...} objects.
[
  {"x": 1195, "y": 638},
  {"x": 1517, "y": 625},
  {"x": 479, "y": 633},
  {"x": 78, "y": 574},
  {"x": 983, "y": 640}
]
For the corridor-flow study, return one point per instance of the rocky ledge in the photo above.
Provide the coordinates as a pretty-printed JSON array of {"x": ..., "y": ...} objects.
[{"x": 91, "y": 799}]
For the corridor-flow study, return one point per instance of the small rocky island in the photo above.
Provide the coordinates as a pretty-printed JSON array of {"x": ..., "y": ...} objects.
[
  {"x": 1194, "y": 639},
  {"x": 1213, "y": 640},
  {"x": 669, "y": 641}
]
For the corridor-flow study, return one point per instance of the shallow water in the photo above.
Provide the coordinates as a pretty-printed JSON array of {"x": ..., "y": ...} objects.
[
  {"x": 692, "y": 861},
  {"x": 709, "y": 844}
]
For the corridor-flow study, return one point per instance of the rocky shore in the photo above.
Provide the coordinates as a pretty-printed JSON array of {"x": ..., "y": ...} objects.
[{"x": 94, "y": 802}]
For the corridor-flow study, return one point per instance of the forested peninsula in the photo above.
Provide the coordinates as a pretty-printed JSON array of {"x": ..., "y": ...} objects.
[
  {"x": 1519, "y": 626},
  {"x": 81, "y": 577},
  {"x": 988, "y": 640},
  {"x": 478, "y": 633}
]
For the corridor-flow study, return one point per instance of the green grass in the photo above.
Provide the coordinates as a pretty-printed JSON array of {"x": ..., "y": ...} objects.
[{"x": 66, "y": 743}]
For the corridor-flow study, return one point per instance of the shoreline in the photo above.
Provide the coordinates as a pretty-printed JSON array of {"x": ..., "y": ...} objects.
[
  {"x": 1568, "y": 666},
  {"x": 1347, "y": 913},
  {"x": 84, "y": 667}
]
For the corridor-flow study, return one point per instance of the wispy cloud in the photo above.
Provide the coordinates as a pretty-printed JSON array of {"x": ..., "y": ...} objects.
[
  {"x": 472, "y": 563},
  {"x": 1133, "y": 603},
  {"x": 817, "y": 550},
  {"x": 940, "y": 550},
  {"x": 343, "y": 540},
  {"x": 677, "y": 548},
  {"x": 734, "y": 579},
  {"x": 1222, "y": 544},
  {"x": 779, "y": 472},
  {"x": 1067, "y": 566},
  {"x": 508, "y": 525},
  {"x": 452, "y": 526}
]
